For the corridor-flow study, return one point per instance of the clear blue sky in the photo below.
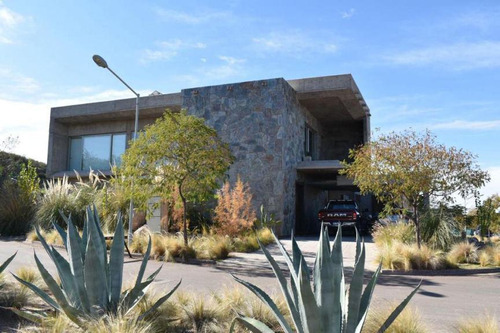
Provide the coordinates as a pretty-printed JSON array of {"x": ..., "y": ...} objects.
[{"x": 419, "y": 64}]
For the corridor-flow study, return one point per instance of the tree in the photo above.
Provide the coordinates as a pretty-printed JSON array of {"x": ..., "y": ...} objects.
[
  {"x": 487, "y": 215},
  {"x": 409, "y": 169},
  {"x": 178, "y": 151}
]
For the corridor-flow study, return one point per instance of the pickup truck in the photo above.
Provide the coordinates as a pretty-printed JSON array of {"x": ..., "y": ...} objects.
[{"x": 340, "y": 213}]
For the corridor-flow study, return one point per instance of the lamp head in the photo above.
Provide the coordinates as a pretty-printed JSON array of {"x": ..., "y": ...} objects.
[{"x": 100, "y": 61}]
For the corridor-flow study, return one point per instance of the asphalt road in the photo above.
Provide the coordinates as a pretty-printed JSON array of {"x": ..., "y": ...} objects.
[{"x": 442, "y": 300}]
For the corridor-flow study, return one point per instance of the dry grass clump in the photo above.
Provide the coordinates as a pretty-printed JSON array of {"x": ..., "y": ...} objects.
[
  {"x": 481, "y": 324},
  {"x": 212, "y": 247},
  {"x": 409, "y": 321},
  {"x": 51, "y": 236},
  {"x": 489, "y": 255},
  {"x": 399, "y": 256},
  {"x": 199, "y": 313},
  {"x": 167, "y": 247},
  {"x": 400, "y": 232},
  {"x": 237, "y": 300},
  {"x": 463, "y": 253},
  {"x": 140, "y": 242}
]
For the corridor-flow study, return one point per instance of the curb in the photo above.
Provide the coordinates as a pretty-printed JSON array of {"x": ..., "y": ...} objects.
[{"x": 443, "y": 272}]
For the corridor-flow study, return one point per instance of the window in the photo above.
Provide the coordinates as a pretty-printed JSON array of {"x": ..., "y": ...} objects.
[
  {"x": 309, "y": 142},
  {"x": 96, "y": 152}
]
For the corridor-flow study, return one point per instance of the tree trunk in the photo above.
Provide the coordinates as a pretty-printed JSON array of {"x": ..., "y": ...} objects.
[
  {"x": 184, "y": 216},
  {"x": 417, "y": 225}
]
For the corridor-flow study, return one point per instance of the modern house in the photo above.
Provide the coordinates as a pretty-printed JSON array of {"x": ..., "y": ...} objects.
[{"x": 288, "y": 137}]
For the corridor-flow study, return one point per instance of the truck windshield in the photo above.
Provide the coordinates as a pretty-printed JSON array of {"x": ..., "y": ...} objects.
[{"x": 341, "y": 206}]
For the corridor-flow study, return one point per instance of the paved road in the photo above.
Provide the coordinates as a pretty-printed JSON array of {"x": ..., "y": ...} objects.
[{"x": 442, "y": 300}]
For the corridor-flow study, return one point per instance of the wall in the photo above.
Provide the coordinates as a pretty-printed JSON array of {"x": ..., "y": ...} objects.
[
  {"x": 294, "y": 121},
  {"x": 250, "y": 117}
]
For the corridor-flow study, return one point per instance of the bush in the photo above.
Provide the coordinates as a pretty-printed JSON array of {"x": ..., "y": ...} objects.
[
  {"x": 401, "y": 232},
  {"x": 398, "y": 256},
  {"x": 59, "y": 196},
  {"x": 17, "y": 211},
  {"x": 439, "y": 229},
  {"x": 409, "y": 321},
  {"x": 463, "y": 253},
  {"x": 234, "y": 213},
  {"x": 482, "y": 324}
]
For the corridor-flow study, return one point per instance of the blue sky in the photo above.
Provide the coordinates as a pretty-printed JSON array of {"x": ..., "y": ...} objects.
[{"x": 425, "y": 64}]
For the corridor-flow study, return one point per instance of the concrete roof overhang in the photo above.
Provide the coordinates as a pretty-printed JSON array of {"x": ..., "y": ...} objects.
[
  {"x": 319, "y": 167},
  {"x": 331, "y": 98},
  {"x": 121, "y": 109}
]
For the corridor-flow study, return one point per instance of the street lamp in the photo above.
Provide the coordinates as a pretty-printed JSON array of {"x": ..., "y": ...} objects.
[{"x": 102, "y": 63}]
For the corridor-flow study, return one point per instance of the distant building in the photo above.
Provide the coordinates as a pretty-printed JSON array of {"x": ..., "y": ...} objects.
[{"x": 288, "y": 138}]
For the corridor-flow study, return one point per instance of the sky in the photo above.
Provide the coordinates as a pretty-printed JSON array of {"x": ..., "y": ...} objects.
[{"x": 421, "y": 64}]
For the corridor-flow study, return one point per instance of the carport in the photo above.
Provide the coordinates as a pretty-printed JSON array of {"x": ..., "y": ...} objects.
[{"x": 317, "y": 183}]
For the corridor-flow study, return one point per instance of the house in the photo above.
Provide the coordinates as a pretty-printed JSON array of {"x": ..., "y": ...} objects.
[{"x": 288, "y": 137}]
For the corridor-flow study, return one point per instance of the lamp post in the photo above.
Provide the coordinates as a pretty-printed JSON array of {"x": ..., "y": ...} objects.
[{"x": 102, "y": 63}]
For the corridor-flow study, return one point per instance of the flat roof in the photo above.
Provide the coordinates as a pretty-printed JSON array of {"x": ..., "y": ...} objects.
[{"x": 320, "y": 95}]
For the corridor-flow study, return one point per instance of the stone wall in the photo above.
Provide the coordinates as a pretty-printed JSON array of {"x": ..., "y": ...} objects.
[
  {"x": 295, "y": 119},
  {"x": 250, "y": 117}
]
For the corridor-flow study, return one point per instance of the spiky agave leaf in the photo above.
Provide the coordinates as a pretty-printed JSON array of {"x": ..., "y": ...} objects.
[{"x": 7, "y": 262}]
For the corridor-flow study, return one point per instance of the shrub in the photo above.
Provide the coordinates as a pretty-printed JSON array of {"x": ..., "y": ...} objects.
[
  {"x": 234, "y": 213},
  {"x": 482, "y": 324},
  {"x": 112, "y": 199},
  {"x": 58, "y": 196},
  {"x": 463, "y": 253},
  {"x": 439, "y": 229},
  {"x": 409, "y": 321},
  {"x": 17, "y": 211},
  {"x": 401, "y": 232},
  {"x": 200, "y": 313}
]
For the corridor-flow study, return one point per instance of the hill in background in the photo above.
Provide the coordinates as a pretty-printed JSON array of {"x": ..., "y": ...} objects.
[{"x": 11, "y": 164}]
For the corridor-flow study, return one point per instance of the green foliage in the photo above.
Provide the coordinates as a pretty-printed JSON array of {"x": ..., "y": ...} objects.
[
  {"x": 61, "y": 197},
  {"x": 330, "y": 306},
  {"x": 16, "y": 211},
  {"x": 28, "y": 182},
  {"x": 18, "y": 201},
  {"x": 440, "y": 230},
  {"x": 180, "y": 152},
  {"x": 267, "y": 220},
  {"x": 486, "y": 214},
  {"x": 12, "y": 164},
  {"x": 91, "y": 283},
  {"x": 405, "y": 169}
]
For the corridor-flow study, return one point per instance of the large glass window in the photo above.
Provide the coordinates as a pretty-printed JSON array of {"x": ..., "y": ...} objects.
[{"x": 96, "y": 152}]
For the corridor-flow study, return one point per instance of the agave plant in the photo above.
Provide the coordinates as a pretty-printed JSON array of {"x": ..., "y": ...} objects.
[
  {"x": 5, "y": 264},
  {"x": 91, "y": 285},
  {"x": 328, "y": 306}
]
